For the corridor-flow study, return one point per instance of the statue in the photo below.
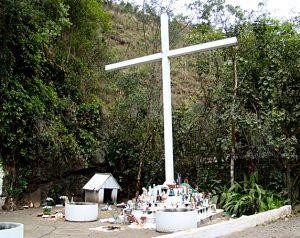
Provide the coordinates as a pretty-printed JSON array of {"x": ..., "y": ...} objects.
[
  {"x": 178, "y": 180},
  {"x": 145, "y": 192}
]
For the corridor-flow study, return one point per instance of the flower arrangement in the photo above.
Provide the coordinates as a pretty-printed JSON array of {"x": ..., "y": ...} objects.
[
  {"x": 65, "y": 199},
  {"x": 50, "y": 201}
]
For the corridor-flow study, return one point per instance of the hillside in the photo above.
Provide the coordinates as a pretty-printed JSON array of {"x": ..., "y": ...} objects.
[{"x": 136, "y": 35}]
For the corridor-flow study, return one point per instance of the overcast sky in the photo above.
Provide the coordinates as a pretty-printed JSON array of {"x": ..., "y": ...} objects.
[{"x": 278, "y": 8}]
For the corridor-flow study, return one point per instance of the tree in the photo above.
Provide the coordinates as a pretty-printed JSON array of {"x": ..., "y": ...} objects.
[
  {"x": 273, "y": 80},
  {"x": 46, "y": 125},
  {"x": 27, "y": 30}
]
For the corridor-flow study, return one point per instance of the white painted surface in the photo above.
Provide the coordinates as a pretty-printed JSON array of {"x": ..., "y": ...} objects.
[
  {"x": 179, "y": 220},
  {"x": 166, "y": 75},
  {"x": 101, "y": 195},
  {"x": 81, "y": 211},
  {"x": 92, "y": 196},
  {"x": 114, "y": 195},
  {"x": 235, "y": 225},
  {"x": 95, "y": 196},
  {"x": 203, "y": 47},
  {"x": 136, "y": 61},
  {"x": 102, "y": 180},
  {"x": 13, "y": 230},
  {"x": 213, "y": 45},
  {"x": 166, "y": 78},
  {"x": 94, "y": 188}
]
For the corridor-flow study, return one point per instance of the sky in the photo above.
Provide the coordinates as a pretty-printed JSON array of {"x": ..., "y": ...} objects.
[{"x": 278, "y": 8}]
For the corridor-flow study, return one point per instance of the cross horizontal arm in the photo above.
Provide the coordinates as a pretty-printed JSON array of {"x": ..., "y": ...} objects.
[
  {"x": 203, "y": 47},
  {"x": 174, "y": 53},
  {"x": 132, "y": 62}
]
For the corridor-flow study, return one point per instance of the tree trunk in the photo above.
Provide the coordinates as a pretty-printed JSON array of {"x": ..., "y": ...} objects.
[
  {"x": 138, "y": 180},
  {"x": 289, "y": 183},
  {"x": 233, "y": 139},
  {"x": 198, "y": 164}
]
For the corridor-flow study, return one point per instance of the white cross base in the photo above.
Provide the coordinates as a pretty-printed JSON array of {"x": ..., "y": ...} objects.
[{"x": 164, "y": 57}]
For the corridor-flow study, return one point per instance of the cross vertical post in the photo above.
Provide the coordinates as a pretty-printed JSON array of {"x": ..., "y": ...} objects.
[{"x": 167, "y": 101}]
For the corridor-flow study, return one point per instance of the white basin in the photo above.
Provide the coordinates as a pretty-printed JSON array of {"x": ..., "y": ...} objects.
[
  {"x": 176, "y": 219},
  {"x": 81, "y": 211},
  {"x": 11, "y": 230}
]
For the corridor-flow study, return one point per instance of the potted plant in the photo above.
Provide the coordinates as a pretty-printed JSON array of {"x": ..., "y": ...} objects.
[{"x": 46, "y": 210}]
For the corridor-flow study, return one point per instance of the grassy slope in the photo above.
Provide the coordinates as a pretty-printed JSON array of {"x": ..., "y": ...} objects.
[{"x": 131, "y": 38}]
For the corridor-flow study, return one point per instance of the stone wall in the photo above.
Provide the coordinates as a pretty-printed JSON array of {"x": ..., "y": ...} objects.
[{"x": 70, "y": 186}]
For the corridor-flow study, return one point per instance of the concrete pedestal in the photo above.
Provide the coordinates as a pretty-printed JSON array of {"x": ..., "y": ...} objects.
[
  {"x": 177, "y": 219},
  {"x": 11, "y": 230},
  {"x": 81, "y": 211}
]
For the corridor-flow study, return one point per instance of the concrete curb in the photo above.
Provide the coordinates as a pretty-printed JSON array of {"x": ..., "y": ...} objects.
[
  {"x": 236, "y": 225},
  {"x": 211, "y": 217}
]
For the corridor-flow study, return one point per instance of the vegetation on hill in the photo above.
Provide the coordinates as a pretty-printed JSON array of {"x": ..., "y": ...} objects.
[{"x": 234, "y": 109}]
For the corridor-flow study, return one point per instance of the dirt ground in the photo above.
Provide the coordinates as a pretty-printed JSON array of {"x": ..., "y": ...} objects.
[
  {"x": 37, "y": 227},
  {"x": 283, "y": 228}
]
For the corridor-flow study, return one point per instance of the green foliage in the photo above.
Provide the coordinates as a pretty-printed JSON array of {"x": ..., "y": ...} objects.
[
  {"x": 60, "y": 112},
  {"x": 247, "y": 198},
  {"x": 47, "y": 126},
  {"x": 46, "y": 210},
  {"x": 17, "y": 187},
  {"x": 272, "y": 88},
  {"x": 27, "y": 30},
  {"x": 266, "y": 110},
  {"x": 134, "y": 132}
]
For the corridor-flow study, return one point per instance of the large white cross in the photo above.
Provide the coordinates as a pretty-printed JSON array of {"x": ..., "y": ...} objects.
[{"x": 165, "y": 56}]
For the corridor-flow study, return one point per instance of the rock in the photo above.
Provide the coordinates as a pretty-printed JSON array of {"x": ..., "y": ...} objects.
[
  {"x": 296, "y": 208},
  {"x": 10, "y": 204},
  {"x": 59, "y": 215},
  {"x": 24, "y": 200},
  {"x": 36, "y": 197},
  {"x": 286, "y": 219},
  {"x": 2, "y": 202}
]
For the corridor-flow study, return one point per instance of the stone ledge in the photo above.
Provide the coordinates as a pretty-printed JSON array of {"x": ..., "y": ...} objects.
[
  {"x": 236, "y": 225},
  {"x": 211, "y": 217}
]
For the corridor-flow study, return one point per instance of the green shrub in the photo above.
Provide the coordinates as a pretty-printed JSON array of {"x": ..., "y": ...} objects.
[
  {"x": 247, "y": 198},
  {"x": 47, "y": 210}
]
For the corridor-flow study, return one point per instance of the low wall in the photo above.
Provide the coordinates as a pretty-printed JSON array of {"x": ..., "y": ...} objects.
[{"x": 235, "y": 225}]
